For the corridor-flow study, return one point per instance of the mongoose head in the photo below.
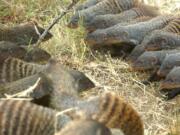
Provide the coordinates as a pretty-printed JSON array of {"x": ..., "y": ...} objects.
[
  {"x": 96, "y": 22},
  {"x": 37, "y": 55},
  {"x": 146, "y": 61},
  {"x": 84, "y": 127},
  {"x": 82, "y": 81},
  {"x": 159, "y": 40},
  {"x": 29, "y": 33},
  {"x": 169, "y": 62},
  {"x": 172, "y": 79},
  {"x": 109, "y": 36},
  {"x": 73, "y": 81}
]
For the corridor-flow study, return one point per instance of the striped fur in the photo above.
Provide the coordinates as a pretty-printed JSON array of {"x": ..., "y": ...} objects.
[
  {"x": 110, "y": 110},
  {"x": 116, "y": 113},
  {"x": 173, "y": 26},
  {"x": 133, "y": 34},
  {"x": 104, "y": 21},
  {"x": 13, "y": 69},
  {"x": 104, "y": 7},
  {"x": 165, "y": 38},
  {"x": 25, "y": 118}
]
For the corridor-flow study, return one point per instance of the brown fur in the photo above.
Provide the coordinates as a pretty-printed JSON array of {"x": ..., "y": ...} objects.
[
  {"x": 24, "y": 118},
  {"x": 23, "y": 34}
]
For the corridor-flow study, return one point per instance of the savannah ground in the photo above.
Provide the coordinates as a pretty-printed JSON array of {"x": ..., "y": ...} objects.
[{"x": 112, "y": 74}]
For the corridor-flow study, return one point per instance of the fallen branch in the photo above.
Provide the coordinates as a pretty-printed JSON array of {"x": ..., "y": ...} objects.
[{"x": 55, "y": 21}]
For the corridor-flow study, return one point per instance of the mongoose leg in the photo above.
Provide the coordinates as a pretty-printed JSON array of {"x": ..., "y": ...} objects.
[
  {"x": 170, "y": 93},
  {"x": 152, "y": 78}
]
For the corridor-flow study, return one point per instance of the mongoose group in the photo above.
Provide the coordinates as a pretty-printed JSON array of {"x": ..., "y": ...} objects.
[
  {"x": 149, "y": 40},
  {"x": 50, "y": 94},
  {"x": 35, "y": 97}
]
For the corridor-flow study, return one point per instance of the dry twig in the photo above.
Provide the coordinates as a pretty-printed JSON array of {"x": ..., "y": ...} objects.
[{"x": 55, "y": 21}]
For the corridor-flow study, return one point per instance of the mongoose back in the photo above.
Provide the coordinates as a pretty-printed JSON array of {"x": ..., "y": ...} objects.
[
  {"x": 166, "y": 38},
  {"x": 108, "y": 109},
  {"x": 105, "y": 21},
  {"x": 127, "y": 34},
  {"x": 25, "y": 118},
  {"x": 9, "y": 49},
  {"x": 84, "y": 127},
  {"x": 173, "y": 26},
  {"x": 87, "y": 4},
  {"x": 36, "y": 55},
  {"x": 161, "y": 40},
  {"x": 12, "y": 69},
  {"x": 23, "y": 34},
  {"x": 101, "y": 8},
  {"x": 111, "y": 111},
  {"x": 151, "y": 60}
]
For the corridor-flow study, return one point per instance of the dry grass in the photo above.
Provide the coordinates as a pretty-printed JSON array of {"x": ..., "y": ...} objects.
[{"x": 108, "y": 73}]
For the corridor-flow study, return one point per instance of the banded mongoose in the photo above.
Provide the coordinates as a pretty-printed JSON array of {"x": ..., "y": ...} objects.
[
  {"x": 25, "y": 118},
  {"x": 84, "y": 127},
  {"x": 171, "y": 85},
  {"x": 9, "y": 49},
  {"x": 12, "y": 69},
  {"x": 170, "y": 61},
  {"x": 133, "y": 34},
  {"x": 101, "y": 8},
  {"x": 160, "y": 40},
  {"x": 23, "y": 34},
  {"x": 105, "y": 21},
  {"x": 108, "y": 109},
  {"x": 44, "y": 87},
  {"x": 152, "y": 60},
  {"x": 45, "y": 121},
  {"x": 87, "y": 4},
  {"x": 166, "y": 38},
  {"x": 62, "y": 78},
  {"x": 155, "y": 40}
]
